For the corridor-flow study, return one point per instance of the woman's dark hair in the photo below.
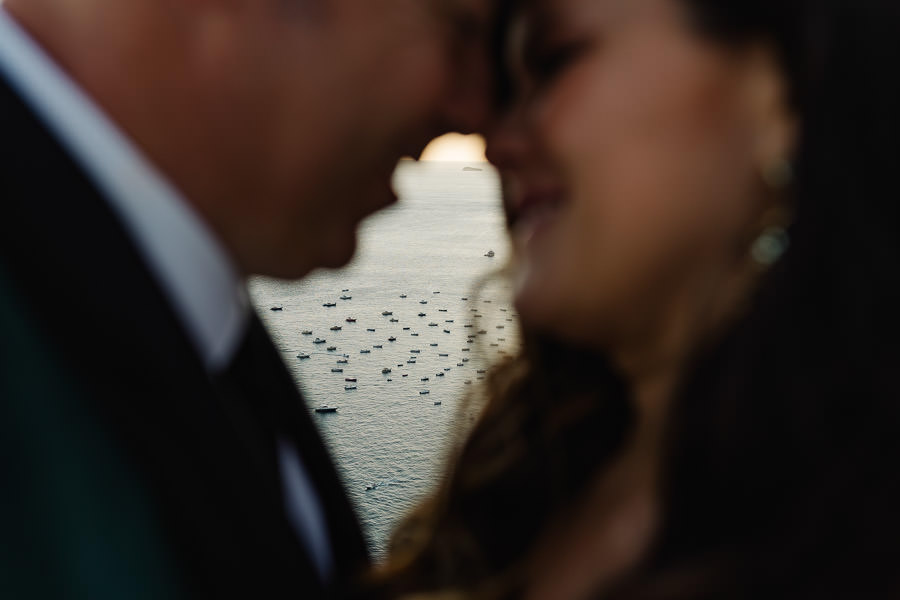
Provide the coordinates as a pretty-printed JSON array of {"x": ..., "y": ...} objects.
[
  {"x": 784, "y": 448},
  {"x": 782, "y": 477}
]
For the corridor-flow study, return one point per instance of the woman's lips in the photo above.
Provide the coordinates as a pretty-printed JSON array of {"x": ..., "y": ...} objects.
[{"x": 534, "y": 212}]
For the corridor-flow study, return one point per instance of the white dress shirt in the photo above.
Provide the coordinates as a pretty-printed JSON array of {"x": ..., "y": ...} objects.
[{"x": 189, "y": 262}]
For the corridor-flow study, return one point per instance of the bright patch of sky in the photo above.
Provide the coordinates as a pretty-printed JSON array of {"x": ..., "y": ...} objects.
[{"x": 455, "y": 147}]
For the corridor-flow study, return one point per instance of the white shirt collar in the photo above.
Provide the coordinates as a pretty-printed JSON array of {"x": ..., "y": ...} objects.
[{"x": 190, "y": 264}]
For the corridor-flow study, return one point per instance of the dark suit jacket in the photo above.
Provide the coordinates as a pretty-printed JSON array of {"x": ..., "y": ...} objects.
[{"x": 198, "y": 455}]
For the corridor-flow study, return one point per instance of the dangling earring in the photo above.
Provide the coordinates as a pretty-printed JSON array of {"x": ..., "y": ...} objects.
[
  {"x": 770, "y": 246},
  {"x": 774, "y": 241}
]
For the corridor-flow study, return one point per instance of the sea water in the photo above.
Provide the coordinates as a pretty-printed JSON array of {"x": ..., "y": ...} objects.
[{"x": 388, "y": 439}]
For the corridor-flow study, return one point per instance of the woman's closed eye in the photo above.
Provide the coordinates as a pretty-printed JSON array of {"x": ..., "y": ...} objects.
[{"x": 545, "y": 62}]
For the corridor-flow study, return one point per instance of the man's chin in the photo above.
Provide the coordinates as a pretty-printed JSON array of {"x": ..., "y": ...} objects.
[
  {"x": 337, "y": 251},
  {"x": 332, "y": 253}
]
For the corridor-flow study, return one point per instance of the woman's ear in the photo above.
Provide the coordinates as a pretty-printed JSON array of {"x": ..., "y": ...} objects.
[{"x": 774, "y": 122}]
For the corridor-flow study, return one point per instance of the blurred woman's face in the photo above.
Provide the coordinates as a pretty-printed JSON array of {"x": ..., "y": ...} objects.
[{"x": 630, "y": 162}]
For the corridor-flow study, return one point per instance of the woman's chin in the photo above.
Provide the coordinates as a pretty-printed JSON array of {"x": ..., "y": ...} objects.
[
  {"x": 539, "y": 307},
  {"x": 544, "y": 311}
]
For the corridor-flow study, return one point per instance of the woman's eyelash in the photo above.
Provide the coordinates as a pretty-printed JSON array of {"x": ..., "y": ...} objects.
[{"x": 546, "y": 62}]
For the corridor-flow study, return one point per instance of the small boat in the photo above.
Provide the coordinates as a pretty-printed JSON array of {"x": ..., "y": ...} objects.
[
  {"x": 443, "y": 354},
  {"x": 470, "y": 341},
  {"x": 435, "y": 292},
  {"x": 411, "y": 361},
  {"x": 386, "y": 313},
  {"x": 364, "y": 351},
  {"x": 379, "y": 346},
  {"x": 415, "y": 351},
  {"x": 346, "y": 290},
  {"x": 335, "y": 327},
  {"x": 489, "y": 254},
  {"x": 349, "y": 387},
  {"x": 503, "y": 309},
  {"x": 432, "y": 324},
  {"x": 438, "y": 374},
  {"x": 465, "y": 360},
  {"x": 422, "y": 314},
  {"x": 302, "y": 355},
  {"x": 442, "y": 310},
  {"x": 342, "y": 361},
  {"x": 414, "y": 334},
  {"x": 345, "y": 297},
  {"x": 482, "y": 331},
  {"x": 331, "y": 348},
  {"x": 389, "y": 379},
  {"x": 326, "y": 409},
  {"x": 350, "y": 379},
  {"x": 459, "y": 364},
  {"x": 448, "y": 321},
  {"x": 318, "y": 341},
  {"x": 446, "y": 331},
  {"x": 385, "y": 371},
  {"x": 468, "y": 382},
  {"x": 406, "y": 329},
  {"x": 277, "y": 307},
  {"x": 465, "y": 350},
  {"x": 350, "y": 320},
  {"x": 392, "y": 339},
  {"x": 369, "y": 329},
  {"x": 433, "y": 344},
  {"x": 471, "y": 169},
  {"x": 337, "y": 370},
  {"x": 438, "y": 403},
  {"x": 467, "y": 325},
  {"x": 395, "y": 320},
  {"x": 478, "y": 316},
  {"x": 470, "y": 336},
  {"x": 403, "y": 295},
  {"x": 424, "y": 379},
  {"x": 487, "y": 301},
  {"x": 406, "y": 375},
  {"x": 480, "y": 371},
  {"x": 423, "y": 392},
  {"x": 501, "y": 326},
  {"x": 329, "y": 304},
  {"x": 463, "y": 298},
  {"x": 494, "y": 345},
  {"x": 423, "y": 301},
  {"x": 306, "y": 332}
]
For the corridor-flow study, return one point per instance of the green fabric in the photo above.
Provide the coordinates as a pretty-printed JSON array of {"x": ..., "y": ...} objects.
[{"x": 74, "y": 520}]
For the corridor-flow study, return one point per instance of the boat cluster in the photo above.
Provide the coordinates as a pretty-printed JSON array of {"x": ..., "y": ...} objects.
[{"x": 410, "y": 362}]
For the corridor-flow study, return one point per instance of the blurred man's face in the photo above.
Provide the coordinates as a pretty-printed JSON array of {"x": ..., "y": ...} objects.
[{"x": 331, "y": 93}]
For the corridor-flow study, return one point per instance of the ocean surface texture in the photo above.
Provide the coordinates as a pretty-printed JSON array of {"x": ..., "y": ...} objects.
[{"x": 397, "y": 399}]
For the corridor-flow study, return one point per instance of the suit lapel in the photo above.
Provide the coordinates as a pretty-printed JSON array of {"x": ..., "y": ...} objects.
[
  {"x": 101, "y": 307},
  {"x": 287, "y": 413}
]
